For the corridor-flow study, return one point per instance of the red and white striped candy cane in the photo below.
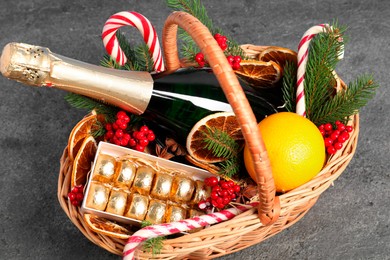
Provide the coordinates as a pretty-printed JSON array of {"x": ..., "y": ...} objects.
[
  {"x": 303, "y": 51},
  {"x": 148, "y": 32},
  {"x": 176, "y": 227}
]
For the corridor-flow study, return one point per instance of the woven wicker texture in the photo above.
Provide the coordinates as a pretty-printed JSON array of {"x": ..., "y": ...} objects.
[{"x": 251, "y": 227}]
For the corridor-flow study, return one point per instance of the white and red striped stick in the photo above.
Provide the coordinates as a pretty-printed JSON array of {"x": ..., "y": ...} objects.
[
  {"x": 148, "y": 32},
  {"x": 303, "y": 51},
  {"x": 181, "y": 226}
]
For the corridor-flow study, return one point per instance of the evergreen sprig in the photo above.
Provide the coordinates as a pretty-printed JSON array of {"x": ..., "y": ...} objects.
[
  {"x": 138, "y": 58},
  {"x": 222, "y": 145},
  {"x": 323, "y": 103},
  {"x": 152, "y": 244},
  {"x": 288, "y": 88},
  {"x": 198, "y": 10},
  {"x": 323, "y": 56},
  {"x": 195, "y": 8},
  {"x": 89, "y": 104},
  {"x": 346, "y": 102}
]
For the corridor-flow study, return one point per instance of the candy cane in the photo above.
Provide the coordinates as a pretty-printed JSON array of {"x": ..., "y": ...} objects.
[
  {"x": 176, "y": 227},
  {"x": 303, "y": 51},
  {"x": 148, "y": 32}
]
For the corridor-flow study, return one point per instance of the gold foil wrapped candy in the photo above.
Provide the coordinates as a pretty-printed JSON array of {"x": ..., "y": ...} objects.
[
  {"x": 161, "y": 186},
  {"x": 156, "y": 212},
  {"x": 182, "y": 189},
  {"x": 104, "y": 168},
  {"x": 124, "y": 173},
  {"x": 117, "y": 202},
  {"x": 97, "y": 196},
  {"x": 202, "y": 192},
  {"x": 143, "y": 180},
  {"x": 175, "y": 213},
  {"x": 138, "y": 206}
]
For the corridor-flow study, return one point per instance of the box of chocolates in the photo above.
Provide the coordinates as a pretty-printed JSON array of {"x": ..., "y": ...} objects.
[{"x": 129, "y": 187}]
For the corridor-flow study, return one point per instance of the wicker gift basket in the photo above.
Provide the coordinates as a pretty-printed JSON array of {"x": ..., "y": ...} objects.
[{"x": 272, "y": 213}]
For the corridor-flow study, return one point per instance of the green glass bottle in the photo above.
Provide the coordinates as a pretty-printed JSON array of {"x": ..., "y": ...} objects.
[
  {"x": 181, "y": 99},
  {"x": 176, "y": 101}
]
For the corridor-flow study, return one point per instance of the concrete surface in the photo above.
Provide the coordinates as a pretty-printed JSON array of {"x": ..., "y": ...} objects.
[{"x": 350, "y": 220}]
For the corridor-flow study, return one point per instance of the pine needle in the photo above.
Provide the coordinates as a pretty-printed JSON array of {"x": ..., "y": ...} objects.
[
  {"x": 323, "y": 104},
  {"x": 347, "y": 102},
  {"x": 288, "y": 87},
  {"x": 152, "y": 244},
  {"x": 138, "y": 58},
  {"x": 322, "y": 60},
  {"x": 89, "y": 104},
  {"x": 230, "y": 167},
  {"x": 220, "y": 143},
  {"x": 196, "y": 9},
  {"x": 223, "y": 145}
]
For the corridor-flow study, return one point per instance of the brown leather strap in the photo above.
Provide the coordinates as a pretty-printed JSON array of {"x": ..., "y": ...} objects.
[{"x": 234, "y": 94}]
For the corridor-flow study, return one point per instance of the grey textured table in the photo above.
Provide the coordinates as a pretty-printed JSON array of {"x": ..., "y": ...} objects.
[{"x": 349, "y": 221}]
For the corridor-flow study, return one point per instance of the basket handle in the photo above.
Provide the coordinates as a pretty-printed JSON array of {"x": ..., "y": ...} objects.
[{"x": 268, "y": 210}]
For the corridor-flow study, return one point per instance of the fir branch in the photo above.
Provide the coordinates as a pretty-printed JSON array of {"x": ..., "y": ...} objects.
[
  {"x": 322, "y": 60},
  {"x": 83, "y": 102},
  {"x": 189, "y": 50},
  {"x": 347, "y": 102},
  {"x": 288, "y": 87},
  {"x": 220, "y": 143},
  {"x": 223, "y": 145},
  {"x": 230, "y": 167},
  {"x": 138, "y": 58},
  {"x": 196, "y": 9},
  {"x": 193, "y": 7},
  {"x": 152, "y": 244},
  {"x": 235, "y": 49},
  {"x": 109, "y": 62},
  {"x": 99, "y": 130},
  {"x": 143, "y": 60},
  {"x": 129, "y": 52}
]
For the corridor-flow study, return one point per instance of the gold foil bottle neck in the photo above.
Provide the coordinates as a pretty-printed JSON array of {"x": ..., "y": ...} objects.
[{"x": 38, "y": 66}]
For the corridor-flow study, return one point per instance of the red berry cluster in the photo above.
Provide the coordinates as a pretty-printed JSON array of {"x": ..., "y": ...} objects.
[
  {"x": 234, "y": 61},
  {"x": 76, "y": 195},
  {"x": 222, "y": 41},
  {"x": 334, "y": 138},
  {"x": 222, "y": 193},
  {"x": 199, "y": 58},
  {"x": 118, "y": 134},
  {"x": 140, "y": 139}
]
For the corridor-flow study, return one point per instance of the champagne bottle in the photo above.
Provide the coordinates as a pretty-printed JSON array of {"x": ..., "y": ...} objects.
[{"x": 175, "y": 101}]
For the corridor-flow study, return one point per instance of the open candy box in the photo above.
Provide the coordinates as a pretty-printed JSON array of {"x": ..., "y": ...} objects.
[{"x": 129, "y": 187}]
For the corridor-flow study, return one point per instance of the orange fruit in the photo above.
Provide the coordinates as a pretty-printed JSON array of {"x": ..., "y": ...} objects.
[
  {"x": 224, "y": 121},
  {"x": 83, "y": 160},
  {"x": 259, "y": 74},
  {"x": 106, "y": 227},
  {"x": 279, "y": 55},
  {"x": 295, "y": 148},
  {"x": 79, "y": 132}
]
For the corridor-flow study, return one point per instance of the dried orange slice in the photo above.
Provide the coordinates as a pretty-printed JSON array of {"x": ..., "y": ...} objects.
[
  {"x": 79, "y": 133},
  {"x": 279, "y": 55},
  {"x": 106, "y": 227},
  {"x": 259, "y": 74},
  {"x": 223, "y": 121},
  {"x": 83, "y": 160}
]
